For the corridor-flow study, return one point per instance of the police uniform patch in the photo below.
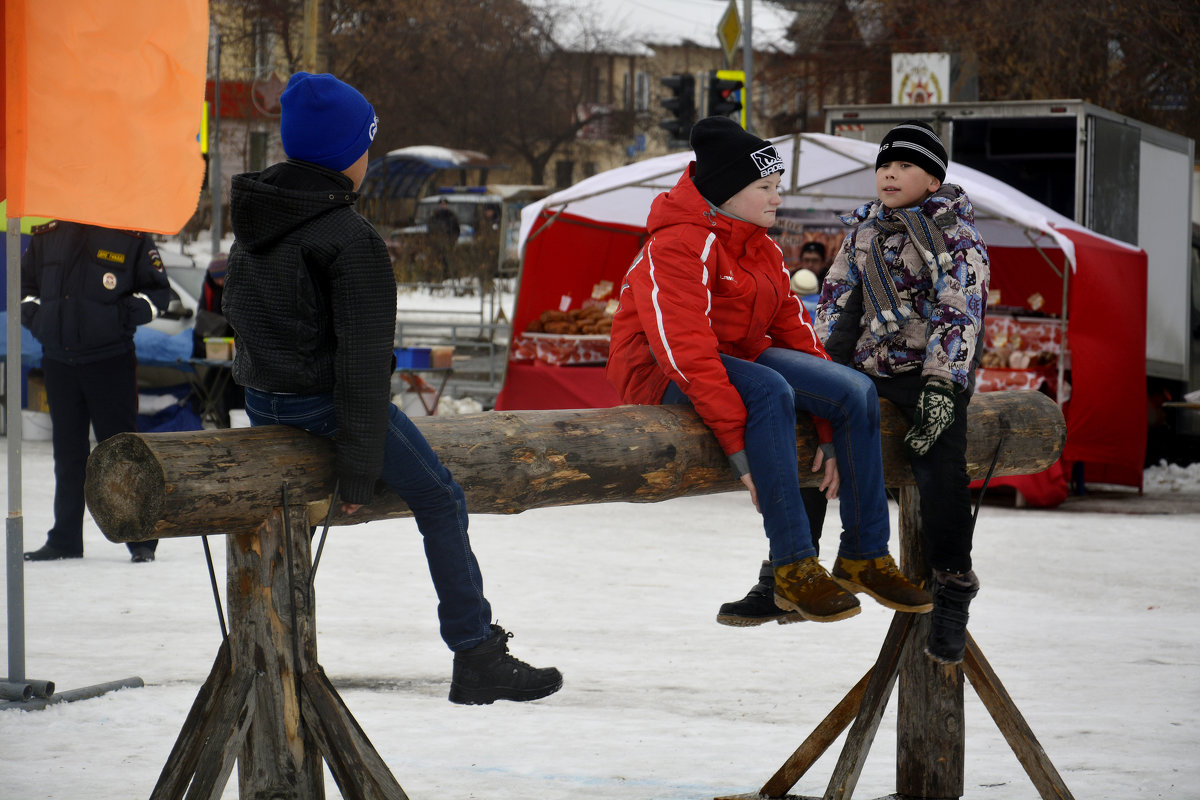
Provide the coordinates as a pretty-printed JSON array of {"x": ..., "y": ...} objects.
[
  {"x": 155, "y": 260},
  {"x": 109, "y": 255},
  {"x": 109, "y": 280}
]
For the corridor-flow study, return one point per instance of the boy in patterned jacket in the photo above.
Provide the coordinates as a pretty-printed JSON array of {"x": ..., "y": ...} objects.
[{"x": 904, "y": 303}]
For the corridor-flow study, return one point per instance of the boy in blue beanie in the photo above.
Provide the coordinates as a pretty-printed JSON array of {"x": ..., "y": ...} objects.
[{"x": 311, "y": 297}]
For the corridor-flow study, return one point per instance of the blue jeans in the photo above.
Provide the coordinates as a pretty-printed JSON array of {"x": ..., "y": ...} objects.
[
  {"x": 774, "y": 388},
  {"x": 413, "y": 471}
]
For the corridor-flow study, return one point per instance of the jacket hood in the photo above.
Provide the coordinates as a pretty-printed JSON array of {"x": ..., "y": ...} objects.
[
  {"x": 267, "y": 206},
  {"x": 684, "y": 205},
  {"x": 947, "y": 206}
]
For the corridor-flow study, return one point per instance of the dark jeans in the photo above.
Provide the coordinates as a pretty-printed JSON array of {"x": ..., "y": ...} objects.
[
  {"x": 413, "y": 471},
  {"x": 101, "y": 396},
  {"x": 774, "y": 388},
  {"x": 941, "y": 476}
]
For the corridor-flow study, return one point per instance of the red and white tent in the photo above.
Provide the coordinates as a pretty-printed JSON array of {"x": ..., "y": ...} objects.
[{"x": 577, "y": 239}]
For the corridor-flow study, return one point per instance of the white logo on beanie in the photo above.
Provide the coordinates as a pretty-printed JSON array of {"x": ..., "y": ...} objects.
[
  {"x": 374, "y": 129},
  {"x": 767, "y": 160}
]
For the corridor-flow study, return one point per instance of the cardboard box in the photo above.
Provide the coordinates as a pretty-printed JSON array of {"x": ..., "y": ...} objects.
[
  {"x": 441, "y": 357},
  {"x": 35, "y": 394},
  {"x": 218, "y": 348},
  {"x": 413, "y": 357}
]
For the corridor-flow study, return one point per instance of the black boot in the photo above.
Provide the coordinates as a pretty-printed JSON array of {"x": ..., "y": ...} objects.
[
  {"x": 758, "y": 606},
  {"x": 487, "y": 673},
  {"x": 952, "y": 595},
  {"x": 49, "y": 552}
]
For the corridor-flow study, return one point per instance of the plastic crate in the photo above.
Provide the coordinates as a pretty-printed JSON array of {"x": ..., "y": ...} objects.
[{"x": 412, "y": 357}]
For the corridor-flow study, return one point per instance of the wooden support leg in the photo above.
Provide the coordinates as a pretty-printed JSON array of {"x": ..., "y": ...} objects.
[
  {"x": 1008, "y": 719},
  {"x": 231, "y": 722},
  {"x": 272, "y": 633},
  {"x": 197, "y": 728},
  {"x": 207, "y": 747},
  {"x": 930, "y": 726},
  {"x": 360, "y": 772},
  {"x": 817, "y": 742},
  {"x": 862, "y": 733},
  {"x": 266, "y": 704}
]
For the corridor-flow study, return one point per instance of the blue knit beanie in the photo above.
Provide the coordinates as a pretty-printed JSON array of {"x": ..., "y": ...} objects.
[{"x": 325, "y": 121}]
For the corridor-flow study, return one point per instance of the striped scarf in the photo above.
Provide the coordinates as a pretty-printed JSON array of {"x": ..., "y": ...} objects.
[{"x": 880, "y": 288}]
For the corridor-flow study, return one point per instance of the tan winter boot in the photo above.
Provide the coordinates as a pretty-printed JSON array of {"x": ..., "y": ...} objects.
[
  {"x": 881, "y": 579},
  {"x": 805, "y": 586}
]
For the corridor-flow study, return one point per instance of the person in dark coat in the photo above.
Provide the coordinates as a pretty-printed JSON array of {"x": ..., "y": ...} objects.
[
  {"x": 84, "y": 291},
  {"x": 312, "y": 300}
]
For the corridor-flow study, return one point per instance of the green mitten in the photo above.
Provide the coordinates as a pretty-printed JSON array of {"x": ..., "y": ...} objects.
[{"x": 934, "y": 414}]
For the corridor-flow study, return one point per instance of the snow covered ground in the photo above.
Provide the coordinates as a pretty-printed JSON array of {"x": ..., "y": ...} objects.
[{"x": 1090, "y": 619}]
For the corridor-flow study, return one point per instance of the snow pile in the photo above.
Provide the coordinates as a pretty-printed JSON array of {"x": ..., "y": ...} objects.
[{"x": 1172, "y": 478}]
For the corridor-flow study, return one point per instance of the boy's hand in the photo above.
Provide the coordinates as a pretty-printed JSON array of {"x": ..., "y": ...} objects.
[
  {"x": 831, "y": 480},
  {"x": 934, "y": 414},
  {"x": 749, "y": 484}
]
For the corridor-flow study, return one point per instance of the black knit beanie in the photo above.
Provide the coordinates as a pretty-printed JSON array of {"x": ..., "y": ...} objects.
[
  {"x": 915, "y": 142},
  {"x": 728, "y": 158}
]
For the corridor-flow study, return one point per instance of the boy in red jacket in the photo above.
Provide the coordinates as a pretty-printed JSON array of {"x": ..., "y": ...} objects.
[{"x": 706, "y": 318}]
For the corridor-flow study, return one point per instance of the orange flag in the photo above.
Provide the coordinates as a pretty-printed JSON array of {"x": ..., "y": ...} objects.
[{"x": 103, "y": 104}]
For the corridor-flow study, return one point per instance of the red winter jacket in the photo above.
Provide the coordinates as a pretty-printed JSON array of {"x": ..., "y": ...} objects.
[{"x": 703, "y": 284}]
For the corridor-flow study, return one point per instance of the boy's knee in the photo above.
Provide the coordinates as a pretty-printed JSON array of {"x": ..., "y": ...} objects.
[{"x": 861, "y": 398}]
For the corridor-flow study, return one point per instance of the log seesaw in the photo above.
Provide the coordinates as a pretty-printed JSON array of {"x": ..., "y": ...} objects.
[{"x": 267, "y": 704}]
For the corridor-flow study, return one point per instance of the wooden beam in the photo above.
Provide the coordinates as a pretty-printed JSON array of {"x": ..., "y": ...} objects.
[{"x": 143, "y": 486}]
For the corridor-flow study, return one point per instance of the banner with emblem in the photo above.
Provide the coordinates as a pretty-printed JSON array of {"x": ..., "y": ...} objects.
[{"x": 103, "y": 104}]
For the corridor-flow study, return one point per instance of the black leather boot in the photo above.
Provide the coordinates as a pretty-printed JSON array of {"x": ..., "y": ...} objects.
[
  {"x": 487, "y": 673},
  {"x": 952, "y": 595},
  {"x": 758, "y": 606}
]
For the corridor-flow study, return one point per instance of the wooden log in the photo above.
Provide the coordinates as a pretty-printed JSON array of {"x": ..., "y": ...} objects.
[{"x": 142, "y": 486}]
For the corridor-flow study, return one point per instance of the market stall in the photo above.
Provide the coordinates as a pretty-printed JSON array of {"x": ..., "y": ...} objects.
[{"x": 1066, "y": 306}]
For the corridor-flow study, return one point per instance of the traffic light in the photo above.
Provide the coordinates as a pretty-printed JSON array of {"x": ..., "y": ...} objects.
[
  {"x": 682, "y": 105},
  {"x": 725, "y": 92}
]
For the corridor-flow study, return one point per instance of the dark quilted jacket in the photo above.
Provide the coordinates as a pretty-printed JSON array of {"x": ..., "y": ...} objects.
[{"x": 312, "y": 301}]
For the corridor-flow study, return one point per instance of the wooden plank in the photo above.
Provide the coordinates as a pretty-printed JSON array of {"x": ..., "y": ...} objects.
[
  {"x": 357, "y": 767},
  {"x": 812, "y": 748},
  {"x": 1012, "y": 724},
  {"x": 862, "y": 732},
  {"x": 142, "y": 486},
  {"x": 197, "y": 728},
  {"x": 233, "y": 718}
]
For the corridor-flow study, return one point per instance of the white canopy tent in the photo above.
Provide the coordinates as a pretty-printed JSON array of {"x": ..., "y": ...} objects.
[{"x": 826, "y": 172}]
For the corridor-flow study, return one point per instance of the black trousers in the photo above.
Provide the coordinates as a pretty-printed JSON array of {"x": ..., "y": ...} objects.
[
  {"x": 941, "y": 476},
  {"x": 102, "y": 396}
]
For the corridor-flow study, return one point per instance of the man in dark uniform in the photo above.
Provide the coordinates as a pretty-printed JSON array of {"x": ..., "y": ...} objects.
[{"x": 84, "y": 291}]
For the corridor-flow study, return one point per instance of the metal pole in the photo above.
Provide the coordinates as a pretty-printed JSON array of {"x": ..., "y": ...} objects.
[
  {"x": 214, "y": 161},
  {"x": 14, "y": 526},
  {"x": 748, "y": 65}
]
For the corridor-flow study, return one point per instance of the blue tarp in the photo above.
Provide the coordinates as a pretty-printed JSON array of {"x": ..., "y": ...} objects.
[{"x": 154, "y": 348}]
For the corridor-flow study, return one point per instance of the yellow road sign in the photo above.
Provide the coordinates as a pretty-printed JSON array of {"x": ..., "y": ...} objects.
[{"x": 729, "y": 31}]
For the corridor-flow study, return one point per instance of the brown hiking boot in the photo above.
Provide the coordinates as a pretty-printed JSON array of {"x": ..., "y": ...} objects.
[
  {"x": 881, "y": 579},
  {"x": 805, "y": 586}
]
